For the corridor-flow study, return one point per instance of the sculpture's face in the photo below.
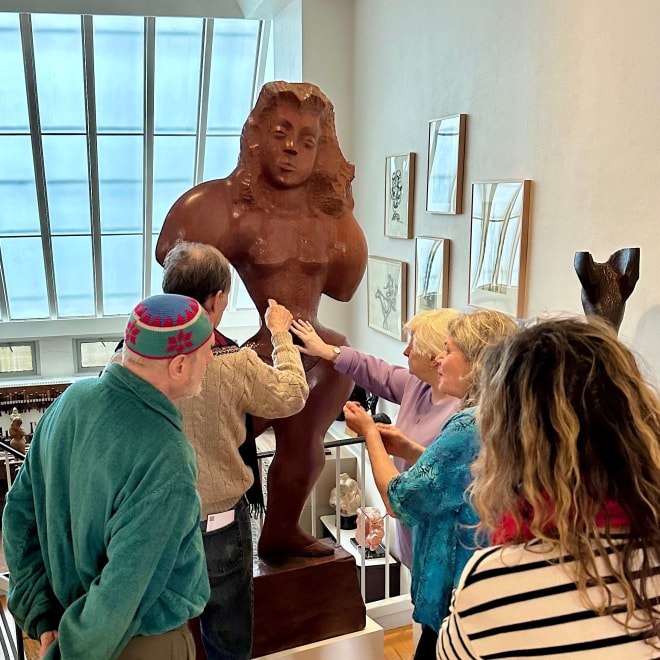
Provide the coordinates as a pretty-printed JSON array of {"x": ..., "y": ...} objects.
[{"x": 289, "y": 145}]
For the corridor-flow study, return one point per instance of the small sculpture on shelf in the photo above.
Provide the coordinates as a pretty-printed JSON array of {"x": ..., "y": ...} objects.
[
  {"x": 16, "y": 432},
  {"x": 349, "y": 501},
  {"x": 370, "y": 527}
]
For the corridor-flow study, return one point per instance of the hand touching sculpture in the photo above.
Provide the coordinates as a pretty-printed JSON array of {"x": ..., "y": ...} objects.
[{"x": 284, "y": 219}]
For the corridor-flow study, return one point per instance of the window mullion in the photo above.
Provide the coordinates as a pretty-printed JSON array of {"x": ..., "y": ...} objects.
[
  {"x": 260, "y": 60},
  {"x": 203, "y": 107},
  {"x": 4, "y": 298},
  {"x": 93, "y": 159},
  {"x": 148, "y": 155},
  {"x": 38, "y": 159}
]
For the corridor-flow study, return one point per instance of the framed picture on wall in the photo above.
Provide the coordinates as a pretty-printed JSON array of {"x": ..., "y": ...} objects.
[
  {"x": 386, "y": 292},
  {"x": 431, "y": 273},
  {"x": 444, "y": 184},
  {"x": 399, "y": 178},
  {"x": 498, "y": 245}
]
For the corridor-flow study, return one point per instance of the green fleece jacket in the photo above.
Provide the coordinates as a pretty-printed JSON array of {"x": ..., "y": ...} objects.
[{"x": 101, "y": 528}]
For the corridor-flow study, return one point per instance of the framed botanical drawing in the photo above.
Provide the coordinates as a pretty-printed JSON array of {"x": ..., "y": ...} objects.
[
  {"x": 498, "y": 245},
  {"x": 386, "y": 292},
  {"x": 431, "y": 273},
  {"x": 399, "y": 178},
  {"x": 444, "y": 183}
]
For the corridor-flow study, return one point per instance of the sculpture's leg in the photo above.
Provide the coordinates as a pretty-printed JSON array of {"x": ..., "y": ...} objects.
[{"x": 298, "y": 462}]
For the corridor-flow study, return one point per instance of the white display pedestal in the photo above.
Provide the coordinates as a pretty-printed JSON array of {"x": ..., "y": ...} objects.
[{"x": 366, "y": 644}]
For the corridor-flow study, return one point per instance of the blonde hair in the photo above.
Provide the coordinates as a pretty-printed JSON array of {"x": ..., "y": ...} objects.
[
  {"x": 429, "y": 330},
  {"x": 473, "y": 333},
  {"x": 568, "y": 426}
]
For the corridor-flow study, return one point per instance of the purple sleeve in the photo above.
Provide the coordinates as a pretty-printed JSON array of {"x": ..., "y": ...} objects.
[{"x": 379, "y": 377}]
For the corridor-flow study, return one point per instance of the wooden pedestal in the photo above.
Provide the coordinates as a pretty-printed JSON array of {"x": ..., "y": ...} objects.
[{"x": 301, "y": 600}]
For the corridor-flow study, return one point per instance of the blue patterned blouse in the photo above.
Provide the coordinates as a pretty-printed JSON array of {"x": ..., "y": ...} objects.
[{"x": 430, "y": 498}]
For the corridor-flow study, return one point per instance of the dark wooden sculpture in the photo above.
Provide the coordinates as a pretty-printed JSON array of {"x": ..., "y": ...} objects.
[
  {"x": 607, "y": 286},
  {"x": 284, "y": 219}
]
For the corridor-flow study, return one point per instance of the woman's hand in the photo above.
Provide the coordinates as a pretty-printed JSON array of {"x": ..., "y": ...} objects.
[
  {"x": 358, "y": 419},
  {"x": 314, "y": 345},
  {"x": 394, "y": 439},
  {"x": 277, "y": 317}
]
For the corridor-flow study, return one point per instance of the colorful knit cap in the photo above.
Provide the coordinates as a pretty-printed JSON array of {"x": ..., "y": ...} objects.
[{"x": 166, "y": 325}]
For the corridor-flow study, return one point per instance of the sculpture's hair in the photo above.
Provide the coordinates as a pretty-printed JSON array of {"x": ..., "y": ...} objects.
[
  {"x": 196, "y": 270},
  {"x": 429, "y": 330},
  {"x": 473, "y": 333},
  {"x": 569, "y": 425},
  {"x": 329, "y": 187}
]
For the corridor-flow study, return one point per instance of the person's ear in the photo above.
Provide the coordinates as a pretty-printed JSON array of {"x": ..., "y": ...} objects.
[{"x": 177, "y": 367}]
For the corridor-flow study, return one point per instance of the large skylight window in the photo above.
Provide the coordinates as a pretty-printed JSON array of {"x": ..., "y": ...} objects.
[{"x": 104, "y": 122}]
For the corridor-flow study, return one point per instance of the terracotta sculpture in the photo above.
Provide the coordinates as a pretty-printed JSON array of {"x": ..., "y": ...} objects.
[
  {"x": 607, "y": 286},
  {"x": 16, "y": 432},
  {"x": 284, "y": 219}
]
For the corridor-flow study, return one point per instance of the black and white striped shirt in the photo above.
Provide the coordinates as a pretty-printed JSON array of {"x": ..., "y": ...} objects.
[{"x": 521, "y": 603}]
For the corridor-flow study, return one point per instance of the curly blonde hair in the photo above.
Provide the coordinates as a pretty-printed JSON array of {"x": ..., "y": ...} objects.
[
  {"x": 568, "y": 426},
  {"x": 473, "y": 333},
  {"x": 429, "y": 330}
]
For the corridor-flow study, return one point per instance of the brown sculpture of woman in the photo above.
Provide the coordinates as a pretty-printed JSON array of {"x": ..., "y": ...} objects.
[{"x": 284, "y": 219}]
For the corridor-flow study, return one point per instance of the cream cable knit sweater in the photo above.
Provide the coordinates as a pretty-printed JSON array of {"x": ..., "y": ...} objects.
[{"x": 236, "y": 383}]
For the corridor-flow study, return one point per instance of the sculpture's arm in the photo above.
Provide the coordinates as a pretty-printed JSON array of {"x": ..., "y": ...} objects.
[
  {"x": 200, "y": 215},
  {"x": 626, "y": 262},
  {"x": 348, "y": 259}
]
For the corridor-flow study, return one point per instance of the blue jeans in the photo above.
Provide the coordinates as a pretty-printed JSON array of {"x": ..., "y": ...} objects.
[{"x": 226, "y": 623}]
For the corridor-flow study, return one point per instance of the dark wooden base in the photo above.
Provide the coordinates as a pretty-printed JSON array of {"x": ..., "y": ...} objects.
[{"x": 301, "y": 600}]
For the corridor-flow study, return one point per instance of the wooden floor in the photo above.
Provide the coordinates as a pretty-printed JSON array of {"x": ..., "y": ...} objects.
[{"x": 399, "y": 644}]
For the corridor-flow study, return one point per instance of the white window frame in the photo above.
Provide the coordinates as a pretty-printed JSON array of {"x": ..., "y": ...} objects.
[{"x": 14, "y": 375}]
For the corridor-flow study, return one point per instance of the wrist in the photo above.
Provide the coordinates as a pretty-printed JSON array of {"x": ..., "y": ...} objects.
[{"x": 334, "y": 353}]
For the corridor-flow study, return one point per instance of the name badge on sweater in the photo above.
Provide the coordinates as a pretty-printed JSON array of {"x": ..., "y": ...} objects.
[{"x": 218, "y": 520}]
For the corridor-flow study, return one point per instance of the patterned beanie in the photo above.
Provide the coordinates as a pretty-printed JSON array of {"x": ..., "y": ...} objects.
[{"x": 166, "y": 325}]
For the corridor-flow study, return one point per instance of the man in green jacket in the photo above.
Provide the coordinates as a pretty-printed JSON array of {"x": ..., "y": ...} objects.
[{"x": 101, "y": 528}]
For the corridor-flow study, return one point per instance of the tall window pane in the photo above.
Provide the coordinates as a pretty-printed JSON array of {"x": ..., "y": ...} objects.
[
  {"x": 74, "y": 275},
  {"x": 230, "y": 95},
  {"x": 221, "y": 156},
  {"x": 23, "y": 265},
  {"x": 174, "y": 163},
  {"x": 59, "y": 64},
  {"x": 176, "y": 79},
  {"x": 13, "y": 100},
  {"x": 119, "y": 71},
  {"x": 18, "y": 206},
  {"x": 67, "y": 184},
  {"x": 122, "y": 273},
  {"x": 120, "y": 182}
]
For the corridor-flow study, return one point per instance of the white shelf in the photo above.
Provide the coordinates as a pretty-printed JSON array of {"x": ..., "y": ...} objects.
[{"x": 345, "y": 541}]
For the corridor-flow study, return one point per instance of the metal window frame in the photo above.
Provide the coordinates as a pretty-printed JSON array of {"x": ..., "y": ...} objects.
[{"x": 34, "y": 348}]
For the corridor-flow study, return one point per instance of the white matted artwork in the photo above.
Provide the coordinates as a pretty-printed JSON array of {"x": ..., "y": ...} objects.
[
  {"x": 386, "y": 292},
  {"x": 431, "y": 273},
  {"x": 399, "y": 178},
  {"x": 444, "y": 184},
  {"x": 498, "y": 245}
]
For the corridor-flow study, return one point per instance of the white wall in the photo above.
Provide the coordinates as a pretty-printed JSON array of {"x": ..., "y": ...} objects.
[{"x": 565, "y": 93}]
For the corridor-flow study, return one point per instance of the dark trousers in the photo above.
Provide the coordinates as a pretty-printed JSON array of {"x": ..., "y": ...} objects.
[
  {"x": 426, "y": 646},
  {"x": 226, "y": 623}
]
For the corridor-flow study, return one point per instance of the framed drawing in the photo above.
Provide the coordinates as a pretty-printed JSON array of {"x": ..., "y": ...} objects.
[
  {"x": 444, "y": 183},
  {"x": 399, "y": 177},
  {"x": 431, "y": 273},
  {"x": 498, "y": 245},
  {"x": 386, "y": 292}
]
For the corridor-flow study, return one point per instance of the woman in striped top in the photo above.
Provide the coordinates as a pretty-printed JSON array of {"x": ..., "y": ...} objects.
[{"x": 569, "y": 475}]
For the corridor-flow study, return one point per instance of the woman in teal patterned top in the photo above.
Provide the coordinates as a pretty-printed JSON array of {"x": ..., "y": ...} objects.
[{"x": 429, "y": 497}]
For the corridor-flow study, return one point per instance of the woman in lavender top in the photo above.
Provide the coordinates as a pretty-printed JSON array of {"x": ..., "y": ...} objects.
[{"x": 423, "y": 407}]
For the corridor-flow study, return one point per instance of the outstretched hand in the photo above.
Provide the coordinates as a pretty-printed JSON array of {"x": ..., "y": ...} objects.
[
  {"x": 277, "y": 317},
  {"x": 313, "y": 344},
  {"x": 357, "y": 418}
]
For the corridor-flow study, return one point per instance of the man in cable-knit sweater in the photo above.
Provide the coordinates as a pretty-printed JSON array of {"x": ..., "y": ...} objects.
[{"x": 236, "y": 383}]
